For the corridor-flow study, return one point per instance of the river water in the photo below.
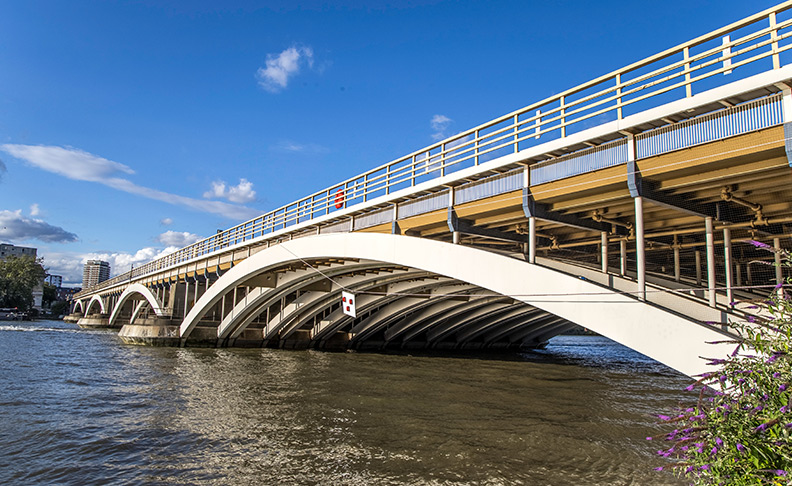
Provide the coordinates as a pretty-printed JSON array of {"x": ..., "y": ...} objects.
[{"x": 78, "y": 407}]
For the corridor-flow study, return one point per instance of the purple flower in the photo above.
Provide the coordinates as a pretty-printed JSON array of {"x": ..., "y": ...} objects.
[
  {"x": 658, "y": 468},
  {"x": 714, "y": 451},
  {"x": 758, "y": 244},
  {"x": 740, "y": 448},
  {"x": 776, "y": 375},
  {"x": 782, "y": 388},
  {"x": 648, "y": 438},
  {"x": 780, "y": 472},
  {"x": 664, "y": 418},
  {"x": 718, "y": 442},
  {"x": 751, "y": 319}
]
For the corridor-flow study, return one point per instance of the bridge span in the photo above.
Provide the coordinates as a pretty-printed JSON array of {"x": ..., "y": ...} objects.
[{"x": 631, "y": 205}]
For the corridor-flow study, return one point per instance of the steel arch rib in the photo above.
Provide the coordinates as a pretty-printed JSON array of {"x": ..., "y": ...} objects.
[
  {"x": 662, "y": 335},
  {"x": 143, "y": 291},
  {"x": 96, "y": 298}
]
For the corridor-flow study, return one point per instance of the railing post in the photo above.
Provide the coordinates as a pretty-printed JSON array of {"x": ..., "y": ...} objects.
[
  {"x": 710, "y": 260},
  {"x": 726, "y": 52},
  {"x": 618, "y": 97},
  {"x": 387, "y": 179},
  {"x": 774, "y": 37},
  {"x": 476, "y": 152},
  {"x": 537, "y": 122},
  {"x": 412, "y": 172},
  {"x": 688, "y": 87},
  {"x": 623, "y": 257},
  {"x": 442, "y": 160},
  {"x": 563, "y": 116},
  {"x": 516, "y": 134}
]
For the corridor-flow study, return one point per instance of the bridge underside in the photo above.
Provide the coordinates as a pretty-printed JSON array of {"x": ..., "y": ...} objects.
[{"x": 415, "y": 293}]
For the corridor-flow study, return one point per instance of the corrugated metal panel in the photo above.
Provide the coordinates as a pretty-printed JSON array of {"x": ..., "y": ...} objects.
[
  {"x": 374, "y": 218},
  {"x": 737, "y": 120},
  {"x": 344, "y": 226},
  {"x": 432, "y": 202},
  {"x": 581, "y": 162},
  {"x": 491, "y": 186}
]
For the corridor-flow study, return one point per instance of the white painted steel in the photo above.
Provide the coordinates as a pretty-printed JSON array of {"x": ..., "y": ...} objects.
[
  {"x": 142, "y": 291},
  {"x": 664, "y": 336},
  {"x": 727, "y": 262},
  {"x": 710, "y": 241},
  {"x": 640, "y": 247},
  {"x": 96, "y": 298}
]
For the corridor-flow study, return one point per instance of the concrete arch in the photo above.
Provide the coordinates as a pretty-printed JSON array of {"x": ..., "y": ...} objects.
[
  {"x": 96, "y": 298},
  {"x": 79, "y": 304},
  {"x": 661, "y": 334},
  {"x": 143, "y": 291}
]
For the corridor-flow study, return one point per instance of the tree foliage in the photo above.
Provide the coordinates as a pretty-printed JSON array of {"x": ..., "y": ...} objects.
[
  {"x": 740, "y": 431},
  {"x": 18, "y": 277}
]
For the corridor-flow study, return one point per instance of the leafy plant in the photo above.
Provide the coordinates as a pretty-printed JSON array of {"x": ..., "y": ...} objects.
[{"x": 740, "y": 430}]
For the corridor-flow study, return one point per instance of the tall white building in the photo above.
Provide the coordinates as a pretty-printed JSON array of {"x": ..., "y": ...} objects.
[{"x": 95, "y": 271}]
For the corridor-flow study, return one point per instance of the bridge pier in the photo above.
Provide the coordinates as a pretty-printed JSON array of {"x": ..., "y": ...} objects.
[{"x": 95, "y": 321}]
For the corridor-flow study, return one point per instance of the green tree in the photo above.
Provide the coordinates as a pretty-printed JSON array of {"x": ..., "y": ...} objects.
[
  {"x": 18, "y": 277},
  {"x": 50, "y": 294}
]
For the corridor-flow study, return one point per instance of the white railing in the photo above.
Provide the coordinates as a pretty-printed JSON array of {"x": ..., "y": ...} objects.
[
  {"x": 672, "y": 74},
  {"x": 581, "y": 162}
]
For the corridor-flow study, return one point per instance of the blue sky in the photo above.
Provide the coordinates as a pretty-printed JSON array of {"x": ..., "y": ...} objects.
[{"x": 130, "y": 128}]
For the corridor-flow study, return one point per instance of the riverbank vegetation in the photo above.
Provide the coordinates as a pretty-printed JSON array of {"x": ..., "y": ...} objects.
[
  {"x": 18, "y": 277},
  {"x": 739, "y": 431}
]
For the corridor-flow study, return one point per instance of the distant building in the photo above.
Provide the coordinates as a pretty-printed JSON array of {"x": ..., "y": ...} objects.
[
  {"x": 7, "y": 250},
  {"x": 66, "y": 293},
  {"x": 54, "y": 280},
  {"x": 95, "y": 271}
]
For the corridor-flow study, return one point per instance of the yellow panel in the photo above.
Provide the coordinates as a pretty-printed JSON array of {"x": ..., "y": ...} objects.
[
  {"x": 423, "y": 220},
  {"x": 380, "y": 228},
  {"x": 495, "y": 204},
  {"x": 599, "y": 180},
  {"x": 211, "y": 269},
  {"x": 225, "y": 266},
  {"x": 732, "y": 148}
]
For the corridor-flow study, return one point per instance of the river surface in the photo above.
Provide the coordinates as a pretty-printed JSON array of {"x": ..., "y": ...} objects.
[{"x": 79, "y": 407}]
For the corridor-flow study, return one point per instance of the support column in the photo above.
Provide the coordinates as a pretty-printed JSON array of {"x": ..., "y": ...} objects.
[
  {"x": 698, "y": 268},
  {"x": 738, "y": 274},
  {"x": 640, "y": 248},
  {"x": 676, "y": 264},
  {"x": 727, "y": 262},
  {"x": 779, "y": 274},
  {"x": 604, "y": 238},
  {"x": 623, "y": 257},
  {"x": 532, "y": 240},
  {"x": 710, "y": 260},
  {"x": 186, "y": 296},
  {"x": 457, "y": 236}
]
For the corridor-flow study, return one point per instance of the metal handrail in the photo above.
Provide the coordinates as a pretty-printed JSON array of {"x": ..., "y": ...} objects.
[{"x": 514, "y": 131}]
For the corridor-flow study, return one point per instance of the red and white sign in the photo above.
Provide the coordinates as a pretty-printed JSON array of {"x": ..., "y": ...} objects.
[{"x": 348, "y": 303}]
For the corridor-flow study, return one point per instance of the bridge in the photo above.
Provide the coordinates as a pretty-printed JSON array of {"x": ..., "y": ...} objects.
[{"x": 631, "y": 205}]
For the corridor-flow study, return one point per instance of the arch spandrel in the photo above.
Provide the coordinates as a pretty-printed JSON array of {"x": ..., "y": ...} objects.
[{"x": 143, "y": 291}]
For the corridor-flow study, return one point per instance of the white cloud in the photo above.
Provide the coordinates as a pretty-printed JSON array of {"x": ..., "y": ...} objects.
[
  {"x": 83, "y": 166},
  {"x": 166, "y": 221},
  {"x": 67, "y": 161},
  {"x": 275, "y": 76},
  {"x": 178, "y": 239},
  {"x": 241, "y": 193},
  {"x": 15, "y": 227},
  {"x": 294, "y": 147},
  {"x": 34, "y": 209},
  {"x": 439, "y": 124}
]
